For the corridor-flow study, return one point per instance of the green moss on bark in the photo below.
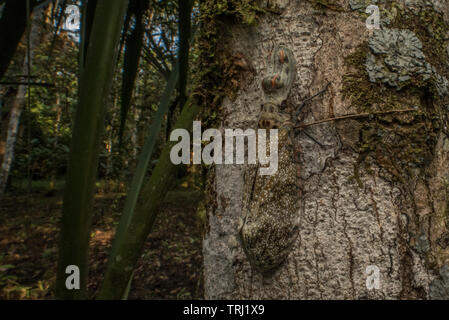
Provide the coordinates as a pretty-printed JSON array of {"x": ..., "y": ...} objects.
[
  {"x": 431, "y": 29},
  {"x": 332, "y": 5},
  {"x": 216, "y": 69},
  {"x": 401, "y": 143}
]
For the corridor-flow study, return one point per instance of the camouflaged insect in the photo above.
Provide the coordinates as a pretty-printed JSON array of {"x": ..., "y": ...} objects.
[{"x": 271, "y": 203}]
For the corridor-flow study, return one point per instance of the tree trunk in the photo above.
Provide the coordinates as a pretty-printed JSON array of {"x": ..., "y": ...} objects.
[
  {"x": 17, "y": 105},
  {"x": 56, "y": 131},
  {"x": 374, "y": 190}
]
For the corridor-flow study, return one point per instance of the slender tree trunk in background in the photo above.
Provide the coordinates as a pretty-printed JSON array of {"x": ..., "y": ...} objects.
[
  {"x": 376, "y": 192},
  {"x": 56, "y": 129},
  {"x": 135, "y": 151},
  {"x": 16, "y": 110},
  {"x": 17, "y": 106},
  {"x": 135, "y": 125},
  {"x": 7, "y": 95},
  {"x": 110, "y": 147},
  {"x": 8, "y": 100}
]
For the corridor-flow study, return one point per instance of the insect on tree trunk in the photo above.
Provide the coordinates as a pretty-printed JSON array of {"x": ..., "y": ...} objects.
[{"x": 373, "y": 216}]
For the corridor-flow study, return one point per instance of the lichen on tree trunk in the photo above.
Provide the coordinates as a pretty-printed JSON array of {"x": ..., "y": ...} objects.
[{"x": 375, "y": 192}]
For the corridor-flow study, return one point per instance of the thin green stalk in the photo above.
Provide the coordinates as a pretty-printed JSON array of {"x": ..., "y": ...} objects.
[
  {"x": 119, "y": 271},
  {"x": 145, "y": 156},
  {"x": 135, "y": 228},
  {"x": 78, "y": 197}
]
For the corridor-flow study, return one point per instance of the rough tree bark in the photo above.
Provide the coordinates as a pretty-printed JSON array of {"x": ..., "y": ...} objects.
[{"x": 376, "y": 192}]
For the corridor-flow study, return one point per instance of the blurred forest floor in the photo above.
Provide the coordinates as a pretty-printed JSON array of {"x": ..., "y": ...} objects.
[{"x": 169, "y": 268}]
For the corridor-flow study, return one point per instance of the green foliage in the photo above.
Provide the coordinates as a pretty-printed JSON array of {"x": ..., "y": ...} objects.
[
  {"x": 43, "y": 157},
  {"x": 5, "y": 278},
  {"x": 42, "y": 148},
  {"x": 12, "y": 289}
]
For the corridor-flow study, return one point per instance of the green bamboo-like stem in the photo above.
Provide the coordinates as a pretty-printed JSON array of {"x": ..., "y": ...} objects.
[
  {"x": 78, "y": 197},
  {"x": 129, "y": 242}
]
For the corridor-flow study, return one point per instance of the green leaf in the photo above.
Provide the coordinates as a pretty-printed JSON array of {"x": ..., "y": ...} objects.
[
  {"x": 128, "y": 229},
  {"x": 133, "y": 50},
  {"x": 95, "y": 84},
  {"x": 6, "y": 267}
]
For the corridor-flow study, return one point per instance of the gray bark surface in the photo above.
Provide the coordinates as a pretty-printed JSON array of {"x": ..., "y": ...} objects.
[{"x": 345, "y": 225}]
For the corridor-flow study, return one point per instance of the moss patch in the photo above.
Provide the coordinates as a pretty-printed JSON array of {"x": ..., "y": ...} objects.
[
  {"x": 400, "y": 143},
  {"x": 217, "y": 70},
  {"x": 431, "y": 29},
  {"x": 370, "y": 97},
  {"x": 332, "y": 5},
  {"x": 217, "y": 73}
]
